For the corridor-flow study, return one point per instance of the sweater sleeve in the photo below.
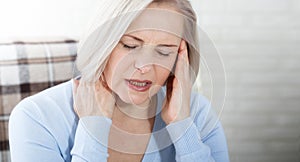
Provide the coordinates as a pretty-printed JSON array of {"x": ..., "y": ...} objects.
[
  {"x": 186, "y": 137},
  {"x": 31, "y": 140},
  {"x": 190, "y": 147}
]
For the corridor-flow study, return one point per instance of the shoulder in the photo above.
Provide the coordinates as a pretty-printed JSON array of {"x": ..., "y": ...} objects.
[
  {"x": 47, "y": 108},
  {"x": 199, "y": 104},
  {"x": 198, "y": 101},
  {"x": 44, "y": 121}
]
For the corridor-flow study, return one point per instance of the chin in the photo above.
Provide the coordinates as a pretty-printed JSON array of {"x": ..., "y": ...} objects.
[{"x": 134, "y": 99}]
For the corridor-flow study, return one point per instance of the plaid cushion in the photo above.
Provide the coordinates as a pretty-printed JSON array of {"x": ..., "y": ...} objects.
[{"x": 27, "y": 68}]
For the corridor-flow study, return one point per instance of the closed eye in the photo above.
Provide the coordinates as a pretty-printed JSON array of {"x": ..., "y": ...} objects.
[
  {"x": 128, "y": 46},
  {"x": 164, "y": 53}
]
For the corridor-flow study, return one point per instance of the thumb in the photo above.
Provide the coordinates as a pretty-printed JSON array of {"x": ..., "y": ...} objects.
[{"x": 75, "y": 85}]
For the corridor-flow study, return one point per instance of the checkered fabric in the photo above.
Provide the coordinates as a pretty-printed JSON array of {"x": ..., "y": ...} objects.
[{"x": 27, "y": 68}]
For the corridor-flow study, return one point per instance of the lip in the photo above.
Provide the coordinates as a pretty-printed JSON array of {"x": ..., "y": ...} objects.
[{"x": 139, "y": 88}]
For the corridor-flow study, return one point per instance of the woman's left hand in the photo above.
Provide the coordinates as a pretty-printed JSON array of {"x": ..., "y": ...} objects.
[{"x": 176, "y": 105}]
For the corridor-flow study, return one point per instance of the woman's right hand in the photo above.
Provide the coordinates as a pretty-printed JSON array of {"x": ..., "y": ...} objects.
[{"x": 93, "y": 99}]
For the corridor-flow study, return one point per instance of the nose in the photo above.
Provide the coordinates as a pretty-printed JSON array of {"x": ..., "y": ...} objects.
[
  {"x": 143, "y": 61},
  {"x": 142, "y": 65},
  {"x": 144, "y": 69}
]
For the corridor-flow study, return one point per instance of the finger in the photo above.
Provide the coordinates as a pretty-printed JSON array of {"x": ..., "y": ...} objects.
[
  {"x": 76, "y": 84},
  {"x": 183, "y": 50},
  {"x": 182, "y": 46},
  {"x": 180, "y": 65},
  {"x": 102, "y": 88},
  {"x": 104, "y": 84},
  {"x": 182, "y": 70}
]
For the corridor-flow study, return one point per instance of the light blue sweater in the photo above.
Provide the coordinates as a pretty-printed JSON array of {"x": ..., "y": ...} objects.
[{"x": 45, "y": 128}]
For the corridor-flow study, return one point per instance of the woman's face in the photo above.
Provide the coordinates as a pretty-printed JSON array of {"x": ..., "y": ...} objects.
[
  {"x": 140, "y": 64},
  {"x": 144, "y": 57}
]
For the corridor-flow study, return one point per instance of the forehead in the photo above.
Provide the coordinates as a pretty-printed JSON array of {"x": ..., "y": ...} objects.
[
  {"x": 154, "y": 36},
  {"x": 158, "y": 19}
]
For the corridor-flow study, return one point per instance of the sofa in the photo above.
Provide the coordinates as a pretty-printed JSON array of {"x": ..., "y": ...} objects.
[{"x": 26, "y": 68}]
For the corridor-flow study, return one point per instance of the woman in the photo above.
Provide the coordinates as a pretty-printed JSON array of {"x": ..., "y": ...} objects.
[{"x": 133, "y": 100}]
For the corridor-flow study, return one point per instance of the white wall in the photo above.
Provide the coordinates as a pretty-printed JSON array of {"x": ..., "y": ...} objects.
[
  {"x": 43, "y": 18},
  {"x": 21, "y": 19},
  {"x": 259, "y": 42}
]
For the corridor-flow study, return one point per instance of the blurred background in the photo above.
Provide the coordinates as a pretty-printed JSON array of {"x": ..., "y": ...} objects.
[
  {"x": 259, "y": 43},
  {"x": 258, "y": 40}
]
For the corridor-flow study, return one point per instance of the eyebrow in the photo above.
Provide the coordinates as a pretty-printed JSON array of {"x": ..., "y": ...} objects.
[
  {"x": 167, "y": 45},
  {"x": 141, "y": 40},
  {"x": 134, "y": 37}
]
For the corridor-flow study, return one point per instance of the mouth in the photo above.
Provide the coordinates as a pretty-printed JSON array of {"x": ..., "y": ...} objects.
[{"x": 139, "y": 85}]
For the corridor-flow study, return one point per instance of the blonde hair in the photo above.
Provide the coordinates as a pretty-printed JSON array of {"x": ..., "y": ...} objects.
[{"x": 112, "y": 22}]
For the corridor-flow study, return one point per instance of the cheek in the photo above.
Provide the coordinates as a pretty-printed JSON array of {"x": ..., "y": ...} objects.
[
  {"x": 119, "y": 66},
  {"x": 162, "y": 74}
]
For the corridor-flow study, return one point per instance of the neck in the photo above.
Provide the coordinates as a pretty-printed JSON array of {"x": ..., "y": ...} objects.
[
  {"x": 146, "y": 110},
  {"x": 134, "y": 119}
]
